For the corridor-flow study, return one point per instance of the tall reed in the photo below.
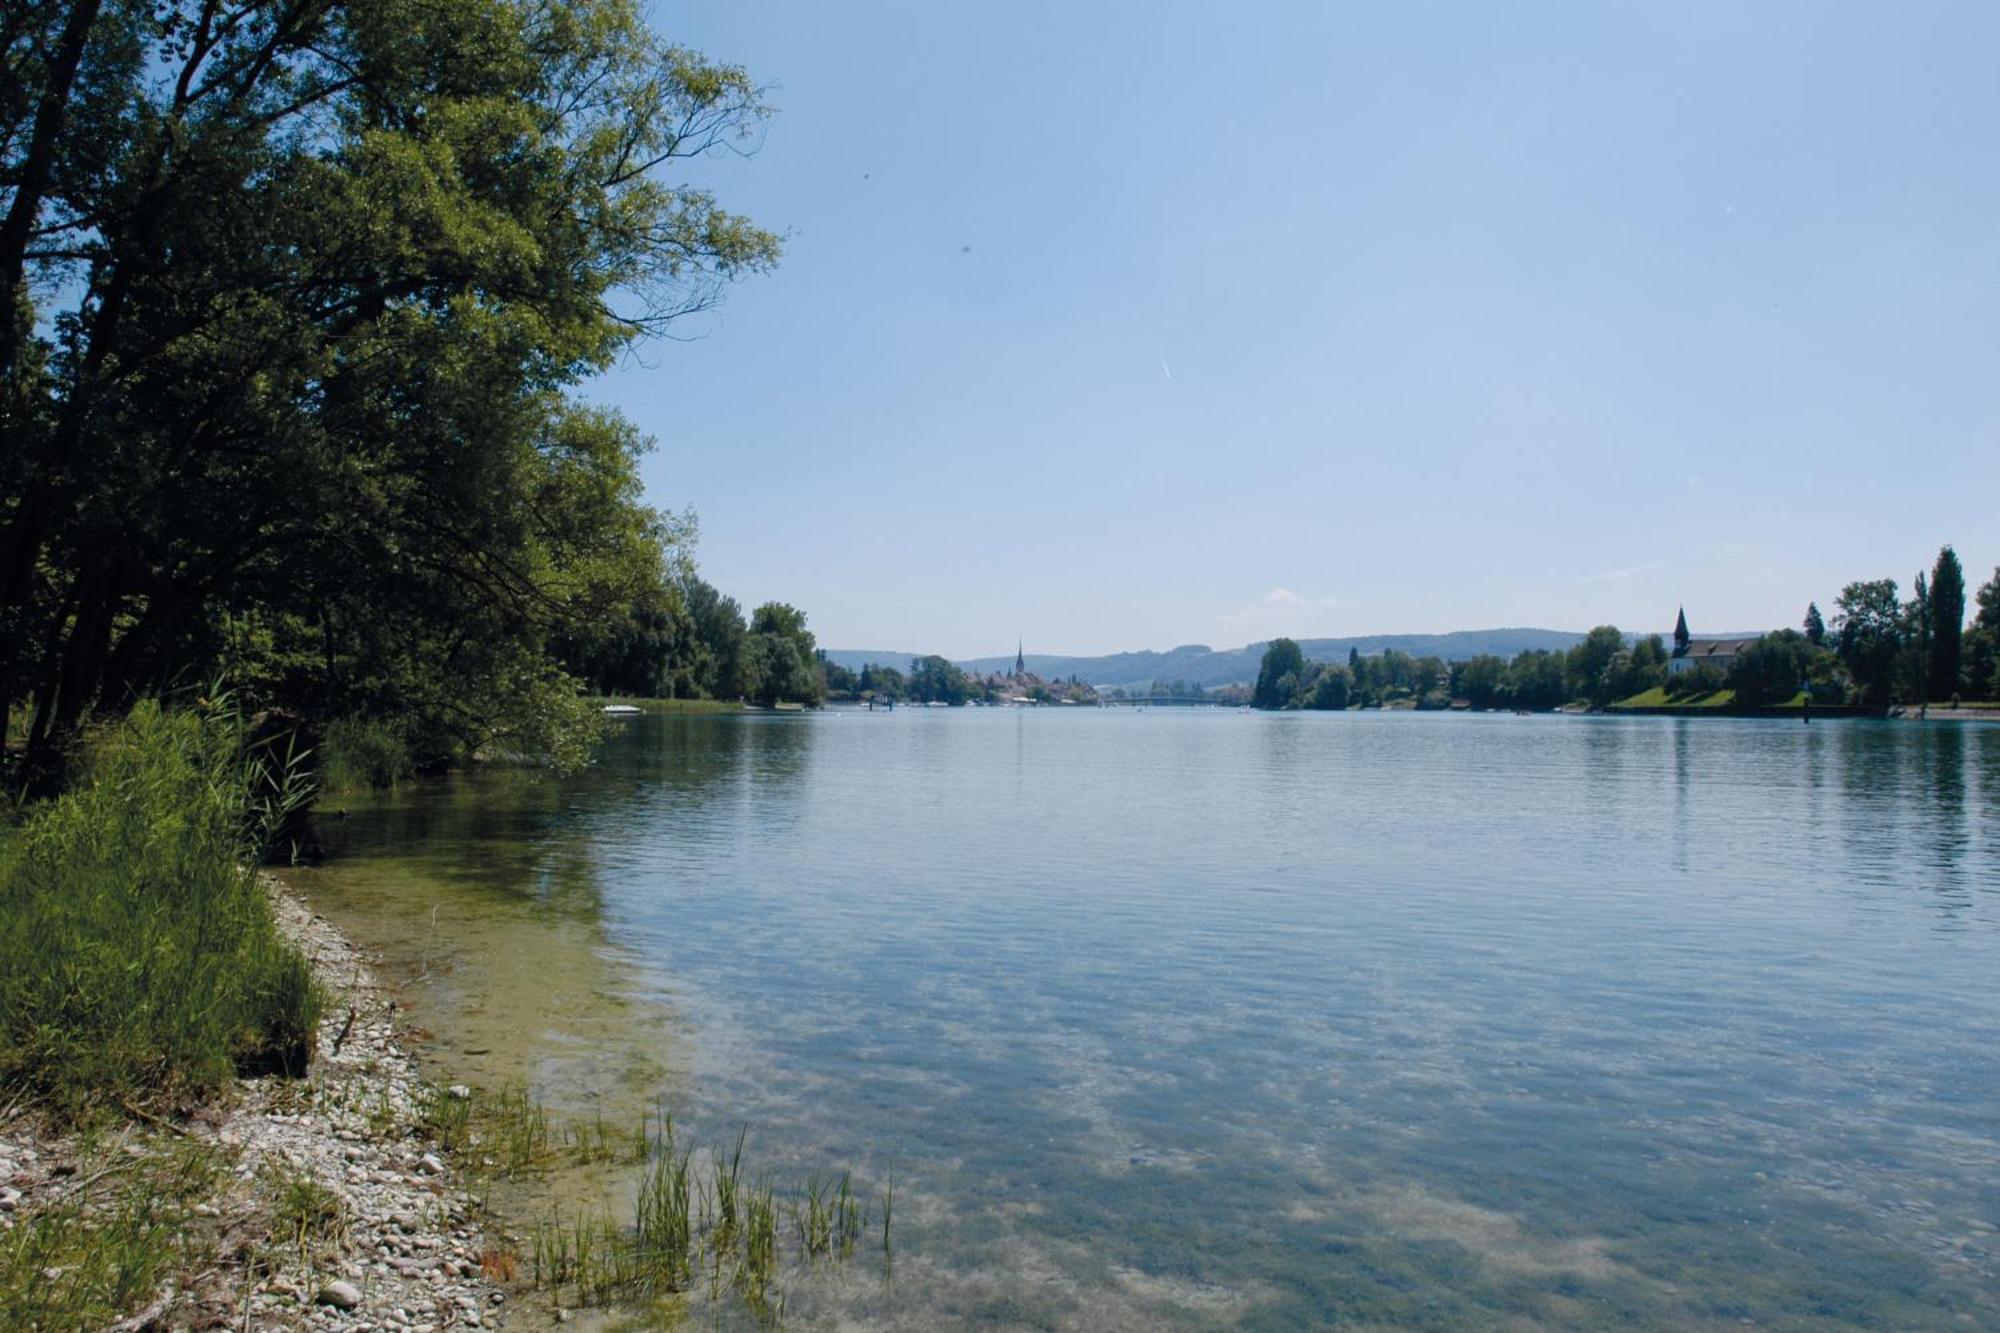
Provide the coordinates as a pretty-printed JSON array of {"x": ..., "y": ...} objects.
[{"x": 141, "y": 958}]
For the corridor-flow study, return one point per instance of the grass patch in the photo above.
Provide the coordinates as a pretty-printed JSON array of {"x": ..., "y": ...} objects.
[
  {"x": 110, "y": 1242},
  {"x": 716, "y": 1231},
  {"x": 670, "y": 705},
  {"x": 1657, "y": 697},
  {"x": 305, "y": 1215},
  {"x": 142, "y": 961}
]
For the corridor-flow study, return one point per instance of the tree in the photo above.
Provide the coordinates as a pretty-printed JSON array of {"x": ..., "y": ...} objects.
[
  {"x": 1535, "y": 680},
  {"x": 1480, "y": 681},
  {"x": 1771, "y": 670},
  {"x": 784, "y": 657},
  {"x": 1988, "y": 616},
  {"x": 1869, "y": 632},
  {"x": 1330, "y": 689},
  {"x": 294, "y": 298},
  {"x": 1282, "y": 658},
  {"x": 1947, "y": 624},
  {"x": 1815, "y": 627},
  {"x": 881, "y": 682},
  {"x": 1644, "y": 668},
  {"x": 1588, "y": 667},
  {"x": 934, "y": 679}
]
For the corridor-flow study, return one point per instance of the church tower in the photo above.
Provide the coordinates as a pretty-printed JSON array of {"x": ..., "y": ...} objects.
[
  {"x": 1020, "y": 662},
  {"x": 1681, "y": 639}
]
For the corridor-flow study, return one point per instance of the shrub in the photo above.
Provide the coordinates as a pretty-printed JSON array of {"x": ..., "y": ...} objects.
[
  {"x": 142, "y": 958},
  {"x": 1699, "y": 680},
  {"x": 358, "y": 753}
]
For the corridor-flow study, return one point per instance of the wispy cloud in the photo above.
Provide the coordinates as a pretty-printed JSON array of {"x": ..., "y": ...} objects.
[
  {"x": 1277, "y": 608},
  {"x": 1620, "y": 575}
]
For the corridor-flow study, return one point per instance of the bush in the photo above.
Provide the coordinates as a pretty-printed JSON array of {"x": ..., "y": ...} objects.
[
  {"x": 1771, "y": 670},
  {"x": 1703, "y": 679},
  {"x": 358, "y": 754},
  {"x": 142, "y": 959}
]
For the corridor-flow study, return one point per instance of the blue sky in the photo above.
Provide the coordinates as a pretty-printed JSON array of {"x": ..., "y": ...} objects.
[{"x": 1129, "y": 325}]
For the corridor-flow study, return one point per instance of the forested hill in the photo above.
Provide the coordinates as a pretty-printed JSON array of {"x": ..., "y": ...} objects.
[{"x": 1199, "y": 664}]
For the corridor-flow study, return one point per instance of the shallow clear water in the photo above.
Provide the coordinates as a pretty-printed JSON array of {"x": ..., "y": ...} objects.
[{"x": 1205, "y": 1018}]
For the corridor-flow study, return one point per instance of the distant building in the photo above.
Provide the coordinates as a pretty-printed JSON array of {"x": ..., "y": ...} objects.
[
  {"x": 1020, "y": 662},
  {"x": 1690, "y": 652}
]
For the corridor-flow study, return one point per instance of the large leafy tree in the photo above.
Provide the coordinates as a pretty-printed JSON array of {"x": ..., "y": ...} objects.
[
  {"x": 1869, "y": 628},
  {"x": 1278, "y": 674},
  {"x": 295, "y": 297}
]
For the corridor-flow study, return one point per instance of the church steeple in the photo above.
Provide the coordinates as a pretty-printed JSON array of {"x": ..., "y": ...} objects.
[
  {"x": 1681, "y": 638},
  {"x": 1020, "y": 662}
]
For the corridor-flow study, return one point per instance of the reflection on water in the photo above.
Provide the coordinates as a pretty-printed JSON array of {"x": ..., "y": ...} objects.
[{"x": 1209, "y": 1019}]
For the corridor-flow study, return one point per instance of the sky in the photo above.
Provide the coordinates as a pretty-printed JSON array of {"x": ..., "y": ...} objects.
[{"x": 1117, "y": 326}]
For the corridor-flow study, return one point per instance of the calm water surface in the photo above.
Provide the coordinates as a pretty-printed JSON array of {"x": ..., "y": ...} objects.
[{"x": 1211, "y": 1019}]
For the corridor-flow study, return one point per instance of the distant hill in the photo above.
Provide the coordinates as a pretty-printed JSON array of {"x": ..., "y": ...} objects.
[{"x": 1199, "y": 664}]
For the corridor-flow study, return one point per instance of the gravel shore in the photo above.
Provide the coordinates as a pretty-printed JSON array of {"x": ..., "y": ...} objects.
[{"x": 401, "y": 1248}]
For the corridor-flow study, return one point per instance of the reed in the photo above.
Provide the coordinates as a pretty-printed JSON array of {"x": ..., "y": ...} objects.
[
  {"x": 142, "y": 961},
  {"x": 721, "y": 1230}
]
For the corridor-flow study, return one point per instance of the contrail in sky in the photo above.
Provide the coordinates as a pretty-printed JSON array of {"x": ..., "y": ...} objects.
[{"x": 1164, "y": 367}]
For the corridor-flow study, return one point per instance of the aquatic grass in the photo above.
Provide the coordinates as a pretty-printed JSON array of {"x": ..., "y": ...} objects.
[
  {"x": 720, "y": 1230},
  {"x": 442, "y": 1118},
  {"x": 143, "y": 962}
]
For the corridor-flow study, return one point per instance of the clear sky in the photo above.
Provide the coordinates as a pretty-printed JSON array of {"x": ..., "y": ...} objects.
[{"x": 1130, "y": 325}]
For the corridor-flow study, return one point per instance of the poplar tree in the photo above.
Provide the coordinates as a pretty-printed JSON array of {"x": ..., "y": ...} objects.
[{"x": 1947, "y": 624}]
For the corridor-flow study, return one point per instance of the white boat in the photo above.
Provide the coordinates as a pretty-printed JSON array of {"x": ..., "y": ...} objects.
[{"x": 622, "y": 710}]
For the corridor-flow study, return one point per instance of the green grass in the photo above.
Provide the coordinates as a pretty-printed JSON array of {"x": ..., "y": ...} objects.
[
  {"x": 1657, "y": 697},
  {"x": 719, "y": 1230},
  {"x": 142, "y": 962},
  {"x": 110, "y": 1241},
  {"x": 671, "y": 705}
]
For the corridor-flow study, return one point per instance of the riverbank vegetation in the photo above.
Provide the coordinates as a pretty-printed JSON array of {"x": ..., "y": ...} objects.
[
  {"x": 295, "y": 302},
  {"x": 143, "y": 965}
]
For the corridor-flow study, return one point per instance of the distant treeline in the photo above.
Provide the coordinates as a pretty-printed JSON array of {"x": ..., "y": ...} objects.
[
  {"x": 935, "y": 679},
  {"x": 1878, "y": 649},
  {"x": 685, "y": 640}
]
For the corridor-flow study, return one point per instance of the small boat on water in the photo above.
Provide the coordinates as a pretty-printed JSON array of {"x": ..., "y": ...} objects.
[{"x": 622, "y": 710}]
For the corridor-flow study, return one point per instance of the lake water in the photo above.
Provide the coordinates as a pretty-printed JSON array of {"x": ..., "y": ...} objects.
[{"x": 1215, "y": 1019}]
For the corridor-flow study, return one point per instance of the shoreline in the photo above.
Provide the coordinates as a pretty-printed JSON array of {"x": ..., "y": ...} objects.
[{"x": 393, "y": 1238}]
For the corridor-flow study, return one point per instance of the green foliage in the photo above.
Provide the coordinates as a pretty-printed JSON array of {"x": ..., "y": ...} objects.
[
  {"x": 358, "y": 754},
  {"x": 881, "y": 682},
  {"x": 1535, "y": 681},
  {"x": 935, "y": 679},
  {"x": 1815, "y": 625},
  {"x": 782, "y": 659},
  {"x": 1588, "y": 670},
  {"x": 109, "y": 1245},
  {"x": 1947, "y": 625},
  {"x": 1481, "y": 680},
  {"x": 1771, "y": 670},
  {"x": 1869, "y": 634},
  {"x": 1278, "y": 674},
  {"x": 288, "y": 374},
  {"x": 1695, "y": 682},
  {"x": 1330, "y": 690},
  {"x": 143, "y": 962}
]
